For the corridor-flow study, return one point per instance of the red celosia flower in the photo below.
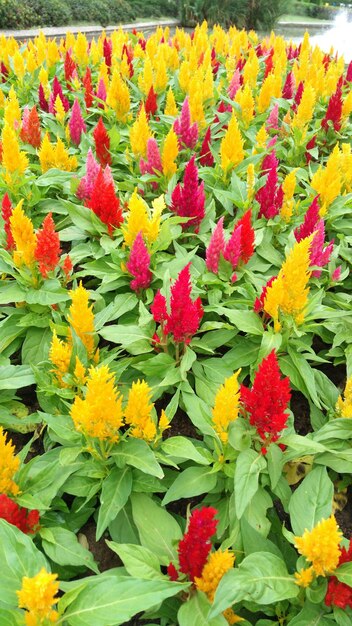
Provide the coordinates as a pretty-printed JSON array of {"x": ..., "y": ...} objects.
[
  {"x": 186, "y": 132},
  {"x": 43, "y": 103},
  {"x": 310, "y": 145},
  {"x": 69, "y": 67},
  {"x": 138, "y": 264},
  {"x": 6, "y": 212},
  {"x": 349, "y": 72},
  {"x": 30, "y": 131},
  {"x": 269, "y": 63},
  {"x": 311, "y": 219},
  {"x": 206, "y": 157},
  {"x": 67, "y": 266},
  {"x": 172, "y": 572},
  {"x": 102, "y": 144},
  {"x": 4, "y": 72},
  {"x": 151, "y": 104},
  {"x": 127, "y": 52},
  {"x": 334, "y": 111},
  {"x": 88, "y": 88},
  {"x": 27, "y": 521},
  {"x": 216, "y": 247},
  {"x": 259, "y": 302},
  {"x": 158, "y": 308},
  {"x": 185, "y": 315},
  {"x": 48, "y": 250},
  {"x": 194, "y": 548},
  {"x": 339, "y": 594},
  {"x": 76, "y": 124},
  {"x": 247, "y": 236},
  {"x": 267, "y": 401},
  {"x": 189, "y": 200},
  {"x": 107, "y": 51},
  {"x": 105, "y": 203}
]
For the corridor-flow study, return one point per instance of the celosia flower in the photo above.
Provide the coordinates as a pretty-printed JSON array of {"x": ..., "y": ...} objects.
[
  {"x": 206, "y": 157},
  {"x": 48, "y": 250},
  {"x": 60, "y": 356},
  {"x": 169, "y": 154},
  {"x": 88, "y": 88},
  {"x": 186, "y": 132},
  {"x": 104, "y": 202},
  {"x": 170, "y": 104},
  {"x": 139, "y": 134},
  {"x": 139, "y": 219},
  {"x": 336, "y": 274},
  {"x": 216, "y": 247},
  {"x": 69, "y": 66},
  {"x": 273, "y": 119},
  {"x": 102, "y": 144},
  {"x": 57, "y": 91},
  {"x": 151, "y": 104},
  {"x": 102, "y": 94},
  {"x": 340, "y": 594},
  {"x": 234, "y": 85},
  {"x": 153, "y": 163},
  {"x": 24, "y": 237},
  {"x": 86, "y": 185},
  {"x": 30, "y": 131},
  {"x": 9, "y": 464},
  {"x": 27, "y": 521},
  {"x": 13, "y": 160},
  {"x": 218, "y": 564},
  {"x": 321, "y": 546},
  {"x": 247, "y": 236},
  {"x": 226, "y": 406},
  {"x": 267, "y": 401},
  {"x": 311, "y": 219},
  {"x": 158, "y": 308},
  {"x": 334, "y": 111},
  {"x": 320, "y": 254},
  {"x": 6, "y": 212},
  {"x": 231, "y": 147},
  {"x": 189, "y": 200},
  {"x": 99, "y": 414},
  {"x": 138, "y": 264},
  {"x": 289, "y": 86},
  {"x": 195, "y": 546},
  {"x": 76, "y": 124},
  {"x": 107, "y": 51},
  {"x": 233, "y": 249},
  {"x": 270, "y": 196},
  {"x": 138, "y": 411},
  {"x": 305, "y": 108},
  {"x": 344, "y": 404},
  {"x": 259, "y": 302},
  {"x": 185, "y": 314},
  {"x": 67, "y": 266},
  {"x": 43, "y": 103},
  {"x": 289, "y": 291},
  {"x": 37, "y": 596},
  {"x": 81, "y": 317}
]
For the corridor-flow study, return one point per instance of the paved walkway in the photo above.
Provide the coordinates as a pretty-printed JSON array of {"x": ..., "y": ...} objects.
[{"x": 89, "y": 31}]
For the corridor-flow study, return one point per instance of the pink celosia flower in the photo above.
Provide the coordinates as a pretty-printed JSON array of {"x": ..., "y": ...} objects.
[
  {"x": 101, "y": 93},
  {"x": 336, "y": 275},
  {"x": 216, "y": 247},
  {"x": 76, "y": 124},
  {"x": 189, "y": 200},
  {"x": 320, "y": 255},
  {"x": 186, "y": 132},
  {"x": 349, "y": 72},
  {"x": 234, "y": 85},
  {"x": 138, "y": 264},
  {"x": 153, "y": 163},
  {"x": 310, "y": 145},
  {"x": 273, "y": 119},
  {"x": 232, "y": 252},
  {"x": 86, "y": 184}
]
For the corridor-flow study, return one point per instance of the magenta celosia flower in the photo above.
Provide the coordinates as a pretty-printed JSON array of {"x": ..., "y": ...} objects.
[
  {"x": 153, "y": 163},
  {"x": 310, "y": 145},
  {"x": 334, "y": 110},
  {"x": 189, "y": 200},
  {"x": 206, "y": 157},
  {"x": 234, "y": 85},
  {"x": 186, "y": 132},
  {"x": 232, "y": 252},
  {"x": 349, "y": 72},
  {"x": 270, "y": 196},
  {"x": 57, "y": 91},
  {"x": 320, "y": 255},
  {"x": 289, "y": 86},
  {"x": 311, "y": 219},
  {"x": 6, "y": 211},
  {"x": 87, "y": 183},
  {"x": 216, "y": 247},
  {"x": 107, "y": 52},
  {"x": 273, "y": 119},
  {"x": 101, "y": 93},
  {"x": 298, "y": 96},
  {"x": 43, "y": 103},
  {"x": 267, "y": 401},
  {"x": 194, "y": 547},
  {"x": 138, "y": 264},
  {"x": 76, "y": 124},
  {"x": 336, "y": 275}
]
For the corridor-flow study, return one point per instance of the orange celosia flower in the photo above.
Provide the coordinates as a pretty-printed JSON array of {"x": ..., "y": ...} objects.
[
  {"x": 37, "y": 596},
  {"x": 48, "y": 250},
  {"x": 9, "y": 464}
]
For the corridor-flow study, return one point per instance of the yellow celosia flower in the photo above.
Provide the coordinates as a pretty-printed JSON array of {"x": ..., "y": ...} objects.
[
  {"x": 217, "y": 565},
  {"x": 231, "y": 148},
  {"x": 24, "y": 237},
  {"x": 18, "y": 65},
  {"x": 37, "y": 596},
  {"x": 288, "y": 187},
  {"x": 169, "y": 154},
  {"x": 347, "y": 105},
  {"x": 99, "y": 414},
  {"x": 344, "y": 405},
  {"x": 9, "y": 464},
  {"x": 304, "y": 577},
  {"x": 60, "y": 356},
  {"x": 261, "y": 138},
  {"x": 305, "y": 108},
  {"x": 55, "y": 156},
  {"x": 251, "y": 69},
  {"x": 138, "y": 220},
  {"x": 80, "y": 372},
  {"x": 327, "y": 181},
  {"x": 250, "y": 181},
  {"x": 12, "y": 112},
  {"x": 321, "y": 546},
  {"x": 288, "y": 293},
  {"x": 140, "y": 133},
  {"x": 244, "y": 98},
  {"x": 46, "y": 153},
  {"x": 138, "y": 411},
  {"x": 164, "y": 422},
  {"x": 161, "y": 77},
  {"x": 13, "y": 160},
  {"x": 81, "y": 49},
  {"x": 271, "y": 88},
  {"x": 184, "y": 75},
  {"x": 145, "y": 79},
  {"x": 231, "y": 617},
  {"x": 81, "y": 317},
  {"x": 196, "y": 106},
  {"x": 59, "y": 110},
  {"x": 226, "y": 406},
  {"x": 118, "y": 96}
]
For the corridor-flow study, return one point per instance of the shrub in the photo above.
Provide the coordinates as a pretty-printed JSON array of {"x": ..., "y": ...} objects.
[
  {"x": 50, "y": 12},
  {"x": 260, "y": 14},
  {"x": 16, "y": 15}
]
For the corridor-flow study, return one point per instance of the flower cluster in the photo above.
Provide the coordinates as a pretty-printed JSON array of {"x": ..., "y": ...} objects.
[
  {"x": 320, "y": 546},
  {"x": 37, "y": 596},
  {"x": 27, "y": 521}
]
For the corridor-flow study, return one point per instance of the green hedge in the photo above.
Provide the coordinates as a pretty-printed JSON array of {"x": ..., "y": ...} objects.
[
  {"x": 311, "y": 9},
  {"x": 256, "y": 14}
]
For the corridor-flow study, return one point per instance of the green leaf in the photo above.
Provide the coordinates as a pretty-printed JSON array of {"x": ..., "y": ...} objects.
[
  {"x": 49, "y": 293},
  {"x": 122, "y": 303},
  {"x": 195, "y": 612},
  {"x": 182, "y": 448},
  {"x": 198, "y": 413},
  {"x": 15, "y": 377},
  {"x": 246, "y": 321},
  {"x": 108, "y": 601},
  {"x": 187, "y": 361},
  {"x": 134, "y": 339},
  {"x": 11, "y": 618},
  {"x": 312, "y": 501},
  {"x": 36, "y": 345},
  {"x": 116, "y": 489},
  {"x": 261, "y": 578},
  {"x": 249, "y": 464},
  {"x": 11, "y": 292},
  {"x": 138, "y": 560},
  {"x": 193, "y": 481},
  {"x": 311, "y": 615},
  {"x": 344, "y": 573},
  {"x": 18, "y": 557},
  {"x": 157, "y": 529},
  {"x": 63, "y": 547},
  {"x": 137, "y": 453}
]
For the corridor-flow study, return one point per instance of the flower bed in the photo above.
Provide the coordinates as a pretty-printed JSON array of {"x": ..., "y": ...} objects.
[{"x": 175, "y": 331}]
